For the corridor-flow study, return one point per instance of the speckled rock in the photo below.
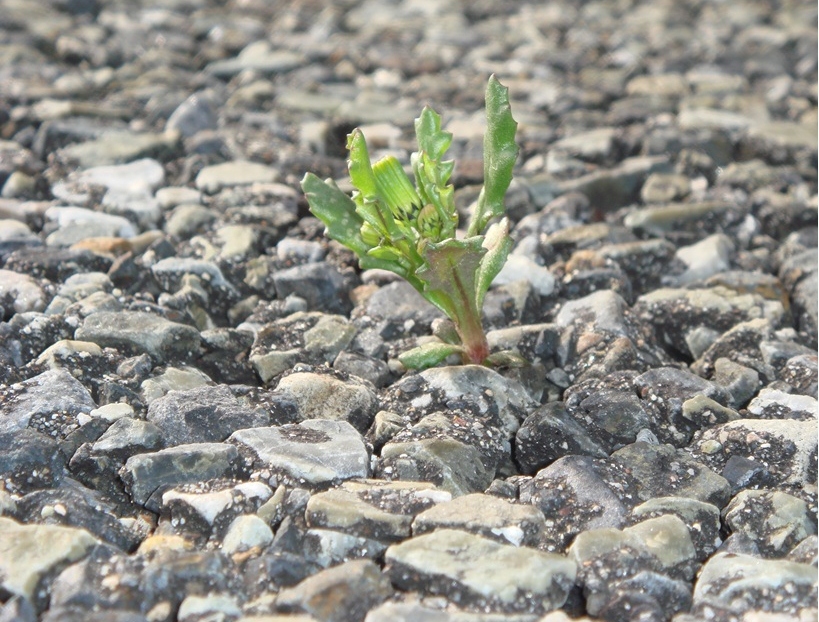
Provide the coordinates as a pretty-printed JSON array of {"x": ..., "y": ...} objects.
[
  {"x": 661, "y": 470},
  {"x": 578, "y": 493},
  {"x": 530, "y": 581},
  {"x": 732, "y": 585},
  {"x": 487, "y": 516},
  {"x": 315, "y": 452},
  {"x": 373, "y": 509},
  {"x": 774, "y": 520},
  {"x": 201, "y": 415},
  {"x": 148, "y": 475},
  {"x": 137, "y": 331},
  {"x": 345, "y": 592},
  {"x": 31, "y": 552}
]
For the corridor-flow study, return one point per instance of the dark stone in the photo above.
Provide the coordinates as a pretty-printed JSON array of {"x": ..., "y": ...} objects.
[
  {"x": 202, "y": 415},
  {"x": 550, "y": 433},
  {"x": 30, "y": 461}
]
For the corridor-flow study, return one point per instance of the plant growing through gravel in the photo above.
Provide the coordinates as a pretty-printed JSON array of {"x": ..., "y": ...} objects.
[{"x": 410, "y": 229}]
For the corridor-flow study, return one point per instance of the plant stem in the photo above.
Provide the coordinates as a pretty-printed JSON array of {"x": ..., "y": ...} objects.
[
  {"x": 468, "y": 325},
  {"x": 473, "y": 339}
]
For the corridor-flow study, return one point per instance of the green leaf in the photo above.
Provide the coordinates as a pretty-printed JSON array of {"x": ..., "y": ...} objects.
[
  {"x": 395, "y": 188},
  {"x": 428, "y": 355},
  {"x": 337, "y": 211},
  {"x": 368, "y": 262},
  {"x": 451, "y": 267},
  {"x": 432, "y": 140},
  {"x": 497, "y": 244},
  {"x": 500, "y": 151},
  {"x": 388, "y": 253},
  {"x": 358, "y": 164},
  {"x": 506, "y": 358}
]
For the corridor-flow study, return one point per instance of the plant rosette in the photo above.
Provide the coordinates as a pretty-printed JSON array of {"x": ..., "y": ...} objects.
[{"x": 410, "y": 228}]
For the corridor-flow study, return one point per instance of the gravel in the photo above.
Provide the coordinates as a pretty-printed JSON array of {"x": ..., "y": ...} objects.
[{"x": 202, "y": 413}]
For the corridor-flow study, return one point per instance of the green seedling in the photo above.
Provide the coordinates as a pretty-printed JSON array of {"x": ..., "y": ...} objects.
[{"x": 410, "y": 229}]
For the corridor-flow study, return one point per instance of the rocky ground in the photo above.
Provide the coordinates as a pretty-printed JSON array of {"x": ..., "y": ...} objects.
[{"x": 202, "y": 417}]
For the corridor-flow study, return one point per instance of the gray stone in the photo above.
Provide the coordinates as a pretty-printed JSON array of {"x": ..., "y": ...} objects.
[
  {"x": 613, "y": 417},
  {"x": 329, "y": 547},
  {"x": 172, "y": 379},
  {"x": 608, "y": 558},
  {"x": 126, "y": 436},
  {"x": 320, "y": 284},
  {"x": 137, "y": 177},
  {"x": 663, "y": 471},
  {"x": 199, "y": 511},
  {"x": 741, "y": 381},
  {"x": 666, "y": 218},
  {"x": 367, "y": 368},
  {"x": 740, "y": 584},
  {"x": 481, "y": 573},
  {"x": 201, "y": 415},
  {"x": 338, "y": 594},
  {"x": 169, "y": 273},
  {"x": 702, "y": 411},
  {"x": 491, "y": 517},
  {"x": 134, "y": 332},
  {"x": 214, "y": 178},
  {"x": 785, "y": 449},
  {"x": 664, "y": 390},
  {"x": 706, "y": 258},
  {"x": 455, "y": 450},
  {"x": 260, "y": 57},
  {"x": 211, "y": 606},
  {"x": 71, "y": 505},
  {"x": 246, "y": 532},
  {"x": 677, "y": 312},
  {"x": 801, "y": 372},
  {"x": 188, "y": 218},
  {"x": 578, "y": 493},
  {"x": 665, "y": 188},
  {"x": 449, "y": 463},
  {"x": 518, "y": 267},
  {"x": 618, "y": 186},
  {"x": 49, "y": 402},
  {"x": 15, "y": 234},
  {"x": 21, "y": 293},
  {"x": 315, "y": 452},
  {"x": 193, "y": 115},
  {"x": 148, "y": 475},
  {"x": 775, "y": 521},
  {"x": 550, "y": 433},
  {"x": 594, "y": 145},
  {"x": 172, "y": 196},
  {"x": 772, "y": 403},
  {"x": 30, "y": 552},
  {"x": 490, "y": 390},
  {"x": 119, "y": 147},
  {"x": 322, "y": 396},
  {"x": 739, "y": 344},
  {"x": 29, "y": 461},
  {"x": 373, "y": 509},
  {"x": 712, "y": 119},
  {"x": 702, "y": 520}
]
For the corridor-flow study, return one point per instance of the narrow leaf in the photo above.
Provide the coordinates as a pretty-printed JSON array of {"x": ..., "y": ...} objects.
[
  {"x": 432, "y": 140},
  {"x": 499, "y": 154},
  {"x": 428, "y": 355},
  {"x": 337, "y": 211},
  {"x": 506, "y": 358},
  {"x": 361, "y": 172},
  {"x": 497, "y": 244}
]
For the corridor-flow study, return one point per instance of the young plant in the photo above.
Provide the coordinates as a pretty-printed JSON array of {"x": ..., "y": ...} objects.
[{"x": 410, "y": 229}]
